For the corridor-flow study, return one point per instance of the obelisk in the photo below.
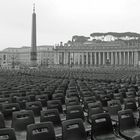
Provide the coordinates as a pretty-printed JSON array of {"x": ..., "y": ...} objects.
[{"x": 33, "y": 57}]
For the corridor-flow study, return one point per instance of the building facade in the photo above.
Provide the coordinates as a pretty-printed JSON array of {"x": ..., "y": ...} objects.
[
  {"x": 112, "y": 53},
  {"x": 90, "y": 54},
  {"x": 20, "y": 57}
]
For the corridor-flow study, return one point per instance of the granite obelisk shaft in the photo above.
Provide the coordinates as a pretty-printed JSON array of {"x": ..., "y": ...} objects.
[{"x": 33, "y": 40}]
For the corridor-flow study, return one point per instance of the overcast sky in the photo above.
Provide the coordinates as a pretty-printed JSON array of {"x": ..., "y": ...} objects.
[{"x": 59, "y": 20}]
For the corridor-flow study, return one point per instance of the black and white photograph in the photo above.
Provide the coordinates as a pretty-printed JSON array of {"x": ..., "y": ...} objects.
[{"x": 69, "y": 69}]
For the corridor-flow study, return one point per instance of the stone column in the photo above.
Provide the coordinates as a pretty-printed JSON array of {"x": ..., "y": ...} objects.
[
  {"x": 68, "y": 58},
  {"x": 78, "y": 54},
  {"x": 107, "y": 55},
  {"x": 99, "y": 58},
  {"x": 124, "y": 62},
  {"x": 132, "y": 58},
  {"x": 73, "y": 58},
  {"x": 95, "y": 58},
  {"x": 87, "y": 58},
  {"x": 82, "y": 58},
  {"x": 103, "y": 58},
  {"x": 57, "y": 58},
  {"x": 128, "y": 58},
  {"x": 112, "y": 59},
  {"x": 64, "y": 58},
  {"x": 91, "y": 63},
  {"x": 60, "y": 58},
  {"x": 136, "y": 58},
  {"x": 76, "y": 58},
  {"x": 116, "y": 58},
  {"x": 120, "y": 59}
]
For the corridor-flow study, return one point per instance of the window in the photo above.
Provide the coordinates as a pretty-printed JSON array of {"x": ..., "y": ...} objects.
[{"x": 4, "y": 57}]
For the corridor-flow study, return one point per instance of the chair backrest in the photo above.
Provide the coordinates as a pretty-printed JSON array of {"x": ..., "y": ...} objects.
[
  {"x": 50, "y": 115},
  {"x": 4, "y": 101},
  {"x": 138, "y": 101},
  {"x": 101, "y": 124},
  {"x": 126, "y": 119},
  {"x": 40, "y": 131},
  {"x": 42, "y": 98},
  {"x": 87, "y": 100},
  {"x": 72, "y": 101},
  {"x": 59, "y": 96},
  {"x": 75, "y": 111},
  {"x": 55, "y": 104},
  {"x": 130, "y": 103},
  {"x": 94, "y": 108},
  {"x": 95, "y": 104},
  {"x": 8, "y": 109},
  {"x": 73, "y": 130},
  {"x": 90, "y": 99},
  {"x": 93, "y": 111},
  {"x": 2, "y": 122},
  {"x": 21, "y": 119},
  {"x": 114, "y": 106},
  {"x": 13, "y": 97},
  {"x": 22, "y": 101},
  {"x": 118, "y": 96},
  {"x": 104, "y": 99},
  {"x": 7, "y": 134},
  {"x": 35, "y": 106},
  {"x": 86, "y": 93},
  {"x": 70, "y": 94},
  {"x": 133, "y": 89},
  {"x": 130, "y": 94},
  {"x": 31, "y": 97}
]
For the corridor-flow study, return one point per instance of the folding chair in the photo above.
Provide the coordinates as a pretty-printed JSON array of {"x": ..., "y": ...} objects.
[
  {"x": 2, "y": 122},
  {"x": 73, "y": 130},
  {"x": 130, "y": 103},
  {"x": 7, "y": 134},
  {"x": 75, "y": 111},
  {"x": 94, "y": 108},
  {"x": 59, "y": 96},
  {"x": 21, "y": 119},
  {"x": 8, "y": 109},
  {"x": 22, "y": 101},
  {"x": 87, "y": 100},
  {"x": 102, "y": 128},
  {"x": 35, "y": 106},
  {"x": 42, "y": 98},
  {"x": 114, "y": 106},
  {"x": 127, "y": 125},
  {"x": 51, "y": 115},
  {"x": 55, "y": 104},
  {"x": 40, "y": 131},
  {"x": 72, "y": 101},
  {"x": 104, "y": 99}
]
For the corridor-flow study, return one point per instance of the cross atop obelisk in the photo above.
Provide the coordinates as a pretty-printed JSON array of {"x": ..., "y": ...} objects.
[{"x": 33, "y": 40}]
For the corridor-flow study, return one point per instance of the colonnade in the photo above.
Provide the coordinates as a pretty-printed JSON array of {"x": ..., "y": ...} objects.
[{"x": 97, "y": 58}]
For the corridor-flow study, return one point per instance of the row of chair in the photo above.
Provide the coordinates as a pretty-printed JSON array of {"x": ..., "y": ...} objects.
[{"x": 74, "y": 129}]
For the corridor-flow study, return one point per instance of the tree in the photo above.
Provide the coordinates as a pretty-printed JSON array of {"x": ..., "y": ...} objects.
[
  {"x": 69, "y": 42},
  {"x": 79, "y": 39}
]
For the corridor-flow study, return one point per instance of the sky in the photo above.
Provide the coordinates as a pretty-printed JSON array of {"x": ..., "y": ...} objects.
[{"x": 59, "y": 20}]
